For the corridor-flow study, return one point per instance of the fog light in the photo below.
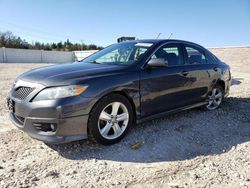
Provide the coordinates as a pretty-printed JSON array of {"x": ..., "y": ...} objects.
[
  {"x": 53, "y": 127},
  {"x": 45, "y": 127}
]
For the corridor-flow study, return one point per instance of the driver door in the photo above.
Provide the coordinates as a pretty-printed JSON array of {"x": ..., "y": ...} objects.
[{"x": 164, "y": 88}]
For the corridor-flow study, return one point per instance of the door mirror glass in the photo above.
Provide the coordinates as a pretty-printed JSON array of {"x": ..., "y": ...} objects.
[{"x": 158, "y": 62}]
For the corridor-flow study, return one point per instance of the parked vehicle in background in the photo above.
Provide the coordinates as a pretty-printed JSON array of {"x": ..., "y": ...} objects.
[
  {"x": 123, "y": 39},
  {"x": 102, "y": 96}
]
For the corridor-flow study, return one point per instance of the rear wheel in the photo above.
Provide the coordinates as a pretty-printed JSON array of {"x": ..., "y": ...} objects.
[
  {"x": 110, "y": 119},
  {"x": 215, "y": 98}
]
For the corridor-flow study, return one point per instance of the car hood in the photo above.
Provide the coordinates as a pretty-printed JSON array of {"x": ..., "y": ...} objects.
[{"x": 68, "y": 73}]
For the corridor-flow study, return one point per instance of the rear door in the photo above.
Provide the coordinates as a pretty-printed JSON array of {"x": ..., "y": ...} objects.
[
  {"x": 201, "y": 69},
  {"x": 165, "y": 88}
]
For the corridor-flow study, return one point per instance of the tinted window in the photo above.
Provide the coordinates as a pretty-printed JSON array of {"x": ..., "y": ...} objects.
[
  {"x": 195, "y": 55},
  {"x": 139, "y": 52},
  {"x": 210, "y": 59},
  {"x": 172, "y": 53}
]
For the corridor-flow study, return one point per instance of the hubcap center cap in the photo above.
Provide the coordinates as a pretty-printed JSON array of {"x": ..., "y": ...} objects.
[{"x": 113, "y": 120}]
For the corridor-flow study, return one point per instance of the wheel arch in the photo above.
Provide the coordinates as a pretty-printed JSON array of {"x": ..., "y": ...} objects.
[
  {"x": 122, "y": 93},
  {"x": 221, "y": 83}
]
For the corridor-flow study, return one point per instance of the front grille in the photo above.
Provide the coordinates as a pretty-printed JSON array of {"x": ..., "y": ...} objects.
[{"x": 22, "y": 92}]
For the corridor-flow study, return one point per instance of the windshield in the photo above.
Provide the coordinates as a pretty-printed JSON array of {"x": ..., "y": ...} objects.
[{"x": 121, "y": 53}]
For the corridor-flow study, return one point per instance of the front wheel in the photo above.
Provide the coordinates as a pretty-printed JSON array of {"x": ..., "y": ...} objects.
[
  {"x": 215, "y": 98},
  {"x": 110, "y": 119}
]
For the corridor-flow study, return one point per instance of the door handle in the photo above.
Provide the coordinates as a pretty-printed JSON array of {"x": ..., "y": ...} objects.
[
  {"x": 216, "y": 69},
  {"x": 184, "y": 73}
]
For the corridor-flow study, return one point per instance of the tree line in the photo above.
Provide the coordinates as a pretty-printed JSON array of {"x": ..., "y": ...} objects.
[{"x": 9, "y": 40}]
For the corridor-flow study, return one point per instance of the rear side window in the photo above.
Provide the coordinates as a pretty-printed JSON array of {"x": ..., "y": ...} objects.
[
  {"x": 195, "y": 55},
  {"x": 211, "y": 58},
  {"x": 172, "y": 53}
]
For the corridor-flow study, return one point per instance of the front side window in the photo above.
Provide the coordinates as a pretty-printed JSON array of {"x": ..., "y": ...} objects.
[
  {"x": 172, "y": 53},
  {"x": 195, "y": 55},
  {"x": 121, "y": 53}
]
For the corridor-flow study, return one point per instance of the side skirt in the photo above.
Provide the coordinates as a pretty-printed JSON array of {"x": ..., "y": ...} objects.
[{"x": 155, "y": 116}]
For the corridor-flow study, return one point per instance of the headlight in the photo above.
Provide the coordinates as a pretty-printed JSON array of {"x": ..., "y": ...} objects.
[{"x": 60, "y": 92}]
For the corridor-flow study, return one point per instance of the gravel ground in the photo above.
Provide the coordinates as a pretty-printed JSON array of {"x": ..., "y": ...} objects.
[{"x": 195, "y": 148}]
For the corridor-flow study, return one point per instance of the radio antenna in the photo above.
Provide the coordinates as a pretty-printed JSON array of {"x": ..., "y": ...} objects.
[
  {"x": 158, "y": 35},
  {"x": 171, "y": 34}
]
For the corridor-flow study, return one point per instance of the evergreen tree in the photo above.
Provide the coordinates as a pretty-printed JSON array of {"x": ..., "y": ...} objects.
[{"x": 8, "y": 40}]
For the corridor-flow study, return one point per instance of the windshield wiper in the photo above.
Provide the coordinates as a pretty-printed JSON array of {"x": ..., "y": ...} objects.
[{"x": 95, "y": 62}]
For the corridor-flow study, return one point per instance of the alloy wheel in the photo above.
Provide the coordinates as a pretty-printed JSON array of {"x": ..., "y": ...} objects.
[
  {"x": 214, "y": 99},
  {"x": 113, "y": 120}
]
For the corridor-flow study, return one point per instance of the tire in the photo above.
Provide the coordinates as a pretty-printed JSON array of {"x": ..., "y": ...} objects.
[
  {"x": 215, "y": 98},
  {"x": 110, "y": 119}
]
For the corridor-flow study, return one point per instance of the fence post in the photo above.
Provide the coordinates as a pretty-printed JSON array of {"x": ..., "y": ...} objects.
[
  {"x": 74, "y": 56},
  {"x": 4, "y": 55},
  {"x": 1, "y": 60},
  {"x": 41, "y": 56}
]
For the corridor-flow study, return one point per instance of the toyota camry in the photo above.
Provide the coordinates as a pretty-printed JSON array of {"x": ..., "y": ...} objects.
[{"x": 105, "y": 94}]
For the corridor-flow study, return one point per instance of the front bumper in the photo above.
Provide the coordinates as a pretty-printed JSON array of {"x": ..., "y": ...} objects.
[
  {"x": 51, "y": 121},
  {"x": 67, "y": 129},
  {"x": 228, "y": 84}
]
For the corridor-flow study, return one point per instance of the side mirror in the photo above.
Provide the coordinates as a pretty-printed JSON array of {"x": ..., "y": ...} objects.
[{"x": 159, "y": 62}]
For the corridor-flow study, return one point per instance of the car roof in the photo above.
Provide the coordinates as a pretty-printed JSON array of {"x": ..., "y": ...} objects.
[
  {"x": 155, "y": 40},
  {"x": 163, "y": 41}
]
